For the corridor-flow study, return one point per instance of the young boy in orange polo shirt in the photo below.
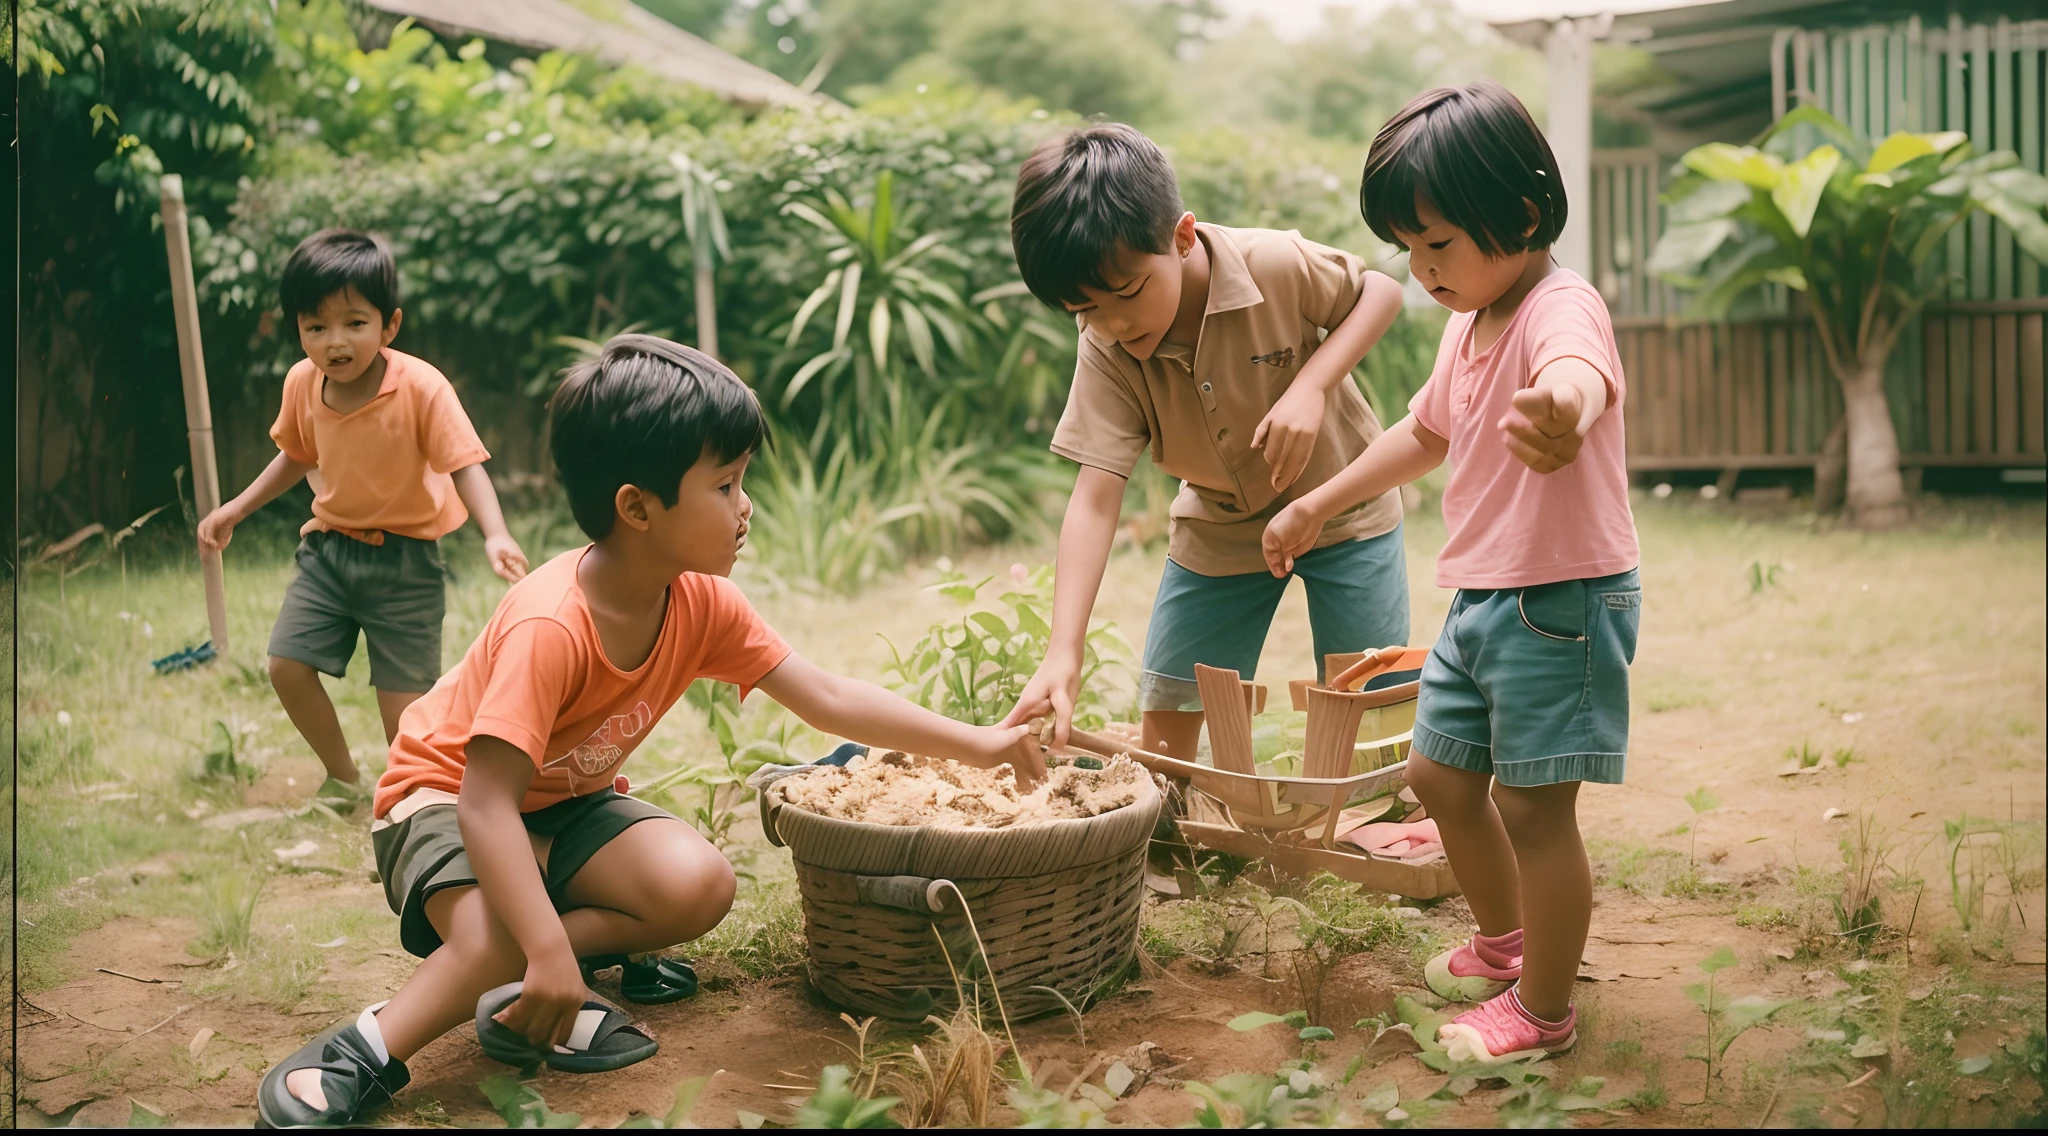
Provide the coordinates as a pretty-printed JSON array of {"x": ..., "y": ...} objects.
[
  {"x": 504, "y": 847},
  {"x": 399, "y": 468}
]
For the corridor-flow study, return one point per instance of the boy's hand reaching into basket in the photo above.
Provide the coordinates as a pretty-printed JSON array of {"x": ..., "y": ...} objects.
[{"x": 1019, "y": 747}]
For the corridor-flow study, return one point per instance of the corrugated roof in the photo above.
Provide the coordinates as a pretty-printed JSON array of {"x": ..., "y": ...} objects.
[
  {"x": 1718, "y": 53},
  {"x": 627, "y": 35}
]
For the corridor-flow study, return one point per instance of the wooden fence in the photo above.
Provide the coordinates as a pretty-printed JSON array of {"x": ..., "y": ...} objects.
[{"x": 1758, "y": 394}]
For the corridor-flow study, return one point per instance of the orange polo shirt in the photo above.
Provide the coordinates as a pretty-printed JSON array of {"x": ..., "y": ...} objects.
[{"x": 385, "y": 466}]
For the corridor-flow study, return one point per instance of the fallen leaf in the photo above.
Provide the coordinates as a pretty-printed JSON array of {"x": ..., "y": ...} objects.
[
  {"x": 1637, "y": 941},
  {"x": 1754, "y": 839},
  {"x": 1833, "y": 813},
  {"x": 330, "y": 944},
  {"x": 296, "y": 851},
  {"x": 1798, "y": 771},
  {"x": 199, "y": 1041},
  {"x": 1783, "y": 952},
  {"x": 1118, "y": 1079}
]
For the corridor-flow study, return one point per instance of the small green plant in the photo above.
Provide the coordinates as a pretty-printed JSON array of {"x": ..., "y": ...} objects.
[
  {"x": 1727, "y": 1019},
  {"x": 1764, "y": 575},
  {"x": 217, "y": 757},
  {"x": 1843, "y": 757},
  {"x": 678, "y": 1115},
  {"x": 1703, "y": 801},
  {"x": 835, "y": 1104},
  {"x": 228, "y": 912},
  {"x": 1537, "y": 1105},
  {"x": 1968, "y": 867},
  {"x": 1866, "y": 856},
  {"x": 975, "y": 668},
  {"x": 1804, "y": 754},
  {"x": 521, "y": 1106}
]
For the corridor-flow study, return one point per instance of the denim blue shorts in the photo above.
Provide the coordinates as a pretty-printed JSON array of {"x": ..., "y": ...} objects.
[
  {"x": 1357, "y": 601},
  {"x": 1531, "y": 684}
]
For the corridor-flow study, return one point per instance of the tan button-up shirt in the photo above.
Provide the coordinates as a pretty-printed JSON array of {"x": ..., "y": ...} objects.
[{"x": 1272, "y": 295}]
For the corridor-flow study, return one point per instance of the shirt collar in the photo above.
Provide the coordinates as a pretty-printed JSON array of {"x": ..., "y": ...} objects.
[{"x": 1230, "y": 279}]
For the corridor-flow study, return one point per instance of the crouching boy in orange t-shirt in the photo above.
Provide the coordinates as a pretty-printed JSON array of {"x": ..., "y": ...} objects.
[{"x": 504, "y": 848}]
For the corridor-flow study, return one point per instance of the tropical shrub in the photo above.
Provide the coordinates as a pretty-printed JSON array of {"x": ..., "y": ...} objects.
[{"x": 1855, "y": 229}]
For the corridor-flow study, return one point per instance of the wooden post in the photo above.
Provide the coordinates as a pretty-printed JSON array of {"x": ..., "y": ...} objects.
[{"x": 198, "y": 412}]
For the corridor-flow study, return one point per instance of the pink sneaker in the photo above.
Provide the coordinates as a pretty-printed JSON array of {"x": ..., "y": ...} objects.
[
  {"x": 1461, "y": 975},
  {"x": 1501, "y": 1030}
]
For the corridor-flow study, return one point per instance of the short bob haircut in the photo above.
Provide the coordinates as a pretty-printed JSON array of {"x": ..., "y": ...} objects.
[
  {"x": 335, "y": 260},
  {"x": 642, "y": 413},
  {"x": 1476, "y": 155},
  {"x": 1080, "y": 196}
]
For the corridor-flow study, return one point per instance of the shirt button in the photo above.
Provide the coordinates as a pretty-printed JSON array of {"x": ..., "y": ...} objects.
[{"x": 1205, "y": 388}]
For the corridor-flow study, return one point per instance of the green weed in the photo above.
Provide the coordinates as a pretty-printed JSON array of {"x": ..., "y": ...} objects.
[
  {"x": 1726, "y": 1018},
  {"x": 1702, "y": 801}
]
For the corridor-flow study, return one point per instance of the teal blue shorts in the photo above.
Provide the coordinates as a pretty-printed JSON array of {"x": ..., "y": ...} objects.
[
  {"x": 1531, "y": 684},
  {"x": 1357, "y": 601}
]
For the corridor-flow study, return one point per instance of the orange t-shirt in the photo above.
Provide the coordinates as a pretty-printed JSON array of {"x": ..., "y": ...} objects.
[
  {"x": 538, "y": 679},
  {"x": 384, "y": 467}
]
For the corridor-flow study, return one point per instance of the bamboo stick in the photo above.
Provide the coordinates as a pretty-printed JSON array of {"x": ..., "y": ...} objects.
[{"x": 198, "y": 412}]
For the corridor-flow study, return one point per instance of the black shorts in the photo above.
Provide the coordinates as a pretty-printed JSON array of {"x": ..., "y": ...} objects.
[{"x": 423, "y": 854}]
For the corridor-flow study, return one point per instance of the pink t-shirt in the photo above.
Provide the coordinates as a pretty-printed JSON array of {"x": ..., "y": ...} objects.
[{"x": 1510, "y": 526}]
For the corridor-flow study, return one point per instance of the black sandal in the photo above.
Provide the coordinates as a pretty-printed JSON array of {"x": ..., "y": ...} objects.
[
  {"x": 651, "y": 981},
  {"x": 350, "y": 1077},
  {"x": 605, "y": 1039}
]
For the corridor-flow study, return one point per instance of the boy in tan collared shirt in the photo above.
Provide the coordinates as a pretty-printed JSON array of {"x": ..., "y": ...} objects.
[
  {"x": 1228, "y": 353},
  {"x": 399, "y": 468}
]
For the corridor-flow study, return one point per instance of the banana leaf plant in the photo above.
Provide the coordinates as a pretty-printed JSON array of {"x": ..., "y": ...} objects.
[{"x": 1857, "y": 228}]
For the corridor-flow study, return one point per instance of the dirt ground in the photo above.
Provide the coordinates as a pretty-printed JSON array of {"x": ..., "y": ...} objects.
[{"x": 1912, "y": 664}]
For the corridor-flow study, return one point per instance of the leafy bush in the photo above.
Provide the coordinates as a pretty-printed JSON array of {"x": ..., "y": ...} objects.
[{"x": 974, "y": 670}]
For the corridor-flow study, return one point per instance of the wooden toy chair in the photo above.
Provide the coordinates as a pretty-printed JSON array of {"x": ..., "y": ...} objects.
[{"x": 1292, "y": 822}]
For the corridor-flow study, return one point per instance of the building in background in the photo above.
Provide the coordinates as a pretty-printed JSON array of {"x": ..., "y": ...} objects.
[{"x": 614, "y": 31}]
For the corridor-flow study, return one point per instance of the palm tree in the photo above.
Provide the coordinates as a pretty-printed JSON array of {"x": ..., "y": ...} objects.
[{"x": 1855, "y": 228}]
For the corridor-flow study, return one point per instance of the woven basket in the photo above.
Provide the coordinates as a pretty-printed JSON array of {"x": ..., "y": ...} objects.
[{"x": 1056, "y": 904}]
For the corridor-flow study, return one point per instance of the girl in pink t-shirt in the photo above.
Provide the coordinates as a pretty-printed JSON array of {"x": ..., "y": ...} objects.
[{"x": 1525, "y": 694}]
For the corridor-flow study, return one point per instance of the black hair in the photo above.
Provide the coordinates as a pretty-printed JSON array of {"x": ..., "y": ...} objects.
[
  {"x": 642, "y": 413},
  {"x": 1476, "y": 155},
  {"x": 1082, "y": 194},
  {"x": 335, "y": 260}
]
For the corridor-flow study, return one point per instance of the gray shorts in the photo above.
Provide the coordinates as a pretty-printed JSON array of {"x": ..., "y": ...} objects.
[{"x": 394, "y": 594}]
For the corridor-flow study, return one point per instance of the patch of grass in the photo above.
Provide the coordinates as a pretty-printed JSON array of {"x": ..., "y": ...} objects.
[
  {"x": 1662, "y": 699},
  {"x": 1635, "y": 868},
  {"x": 1763, "y": 915},
  {"x": 763, "y": 937}
]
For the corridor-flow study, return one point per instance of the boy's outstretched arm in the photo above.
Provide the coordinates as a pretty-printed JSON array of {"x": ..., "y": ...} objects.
[
  {"x": 217, "y": 528},
  {"x": 1395, "y": 458},
  {"x": 473, "y": 485},
  {"x": 1288, "y": 432},
  {"x": 1085, "y": 539},
  {"x": 863, "y": 712},
  {"x": 494, "y": 781}
]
